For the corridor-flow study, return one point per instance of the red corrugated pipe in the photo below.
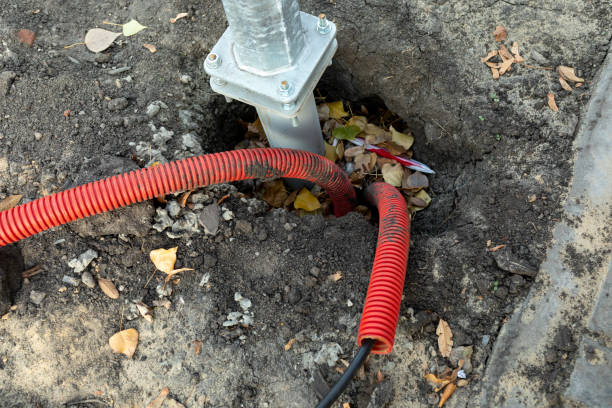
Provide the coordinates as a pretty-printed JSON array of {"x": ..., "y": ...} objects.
[{"x": 381, "y": 309}]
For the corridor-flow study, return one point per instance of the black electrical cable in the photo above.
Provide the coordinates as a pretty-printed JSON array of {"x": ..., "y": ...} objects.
[{"x": 343, "y": 382}]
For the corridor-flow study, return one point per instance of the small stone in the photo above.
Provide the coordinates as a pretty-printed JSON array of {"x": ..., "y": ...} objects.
[
  {"x": 82, "y": 262},
  {"x": 185, "y": 79},
  {"x": 6, "y": 80},
  {"x": 70, "y": 280},
  {"x": 329, "y": 354},
  {"x": 163, "y": 291},
  {"x": 27, "y": 37},
  {"x": 228, "y": 215},
  {"x": 88, "y": 279},
  {"x": 191, "y": 142},
  {"x": 501, "y": 292},
  {"x": 244, "y": 302},
  {"x": 209, "y": 219},
  {"x": 294, "y": 296},
  {"x": 288, "y": 226},
  {"x": 118, "y": 104},
  {"x": 173, "y": 208},
  {"x": 506, "y": 261},
  {"x": 485, "y": 339},
  {"x": 205, "y": 279},
  {"x": 152, "y": 110},
  {"x": 162, "y": 220},
  {"x": 102, "y": 58},
  {"x": 119, "y": 70},
  {"x": 314, "y": 271},
  {"x": 462, "y": 353},
  {"x": 244, "y": 227},
  {"x": 37, "y": 297},
  {"x": 38, "y": 135}
]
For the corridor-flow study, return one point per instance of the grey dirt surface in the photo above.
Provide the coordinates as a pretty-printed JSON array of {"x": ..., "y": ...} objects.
[{"x": 69, "y": 116}]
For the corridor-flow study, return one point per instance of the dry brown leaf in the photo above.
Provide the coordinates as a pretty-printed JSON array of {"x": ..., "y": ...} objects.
[
  {"x": 579, "y": 84},
  {"x": 98, "y": 39},
  {"x": 184, "y": 197},
  {"x": 145, "y": 311},
  {"x": 435, "y": 380},
  {"x": 164, "y": 259},
  {"x": 568, "y": 73},
  {"x": 448, "y": 391},
  {"x": 493, "y": 64},
  {"x": 150, "y": 47},
  {"x": 274, "y": 193},
  {"x": 375, "y": 139},
  {"x": 159, "y": 400},
  {"x": 495, "y": 73},
  {"x": 404, "y": 140},
  {"x": 415, "y": 181},
  {"x": 178, "y": 17},
  {"x": 505, "y": 66},
  {"x": 379, "y": 377},
  {"x": 108, "y": 288},
  {"x": 289, "y": 344},
  {"x": 489, "y": 56},
  {"x": 354, "y": 151},
  {"x": 346, "y": 405},
  {"x": 551, "y": 102},
  {"x": 359, "y": 121},
  {"x": 505, "y": 54},
  {"x": 362, "y": 162},
  {"x": 340, "y": 149},
  {"x": 445, "y": 336},
  {"x": 393, "y": 148},
  {"x": 393, "y": 174},
  {"x": 500, "y": 33},
  {"x": 462, "y": 383},
  {"x": 10, "y": 202},
  {"x": 565, "y": 85},
  {"x": 197, "y": 347},
  {"x": 124, "y": 342},
  {"x": 497, "y": 248},
  {"x": 515, "y": 52},
  {"x": 335, "y": 277}
]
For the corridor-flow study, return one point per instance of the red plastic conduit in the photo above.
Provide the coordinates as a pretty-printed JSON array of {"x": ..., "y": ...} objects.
[
  {"x": 382, "y": 305},
  {"x": 381, "y": 310},
  {"x": 143, "y": 184}
]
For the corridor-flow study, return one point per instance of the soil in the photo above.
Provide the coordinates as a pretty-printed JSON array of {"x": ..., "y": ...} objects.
[{"x": 55, "y": 351}]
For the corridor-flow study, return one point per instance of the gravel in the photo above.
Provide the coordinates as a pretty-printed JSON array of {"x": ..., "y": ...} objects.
[{"x": 82, "y": 262}]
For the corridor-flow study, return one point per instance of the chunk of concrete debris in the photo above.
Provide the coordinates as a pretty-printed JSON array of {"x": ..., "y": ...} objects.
[
  {"x": 329, "y": 354},
  {"x": 209, "y": 218},
  {"x": 70, "y": 280},
  {"x": 162, "y": 220},
  {"x": 173, "y": 208},
  {"x": 244, "y": 302},
  {"x": 506, "y": 261},
  {"x": 82, "y": 262},
  {"x": 88, "y": 279},
  {"x": 37, "y": 297}
]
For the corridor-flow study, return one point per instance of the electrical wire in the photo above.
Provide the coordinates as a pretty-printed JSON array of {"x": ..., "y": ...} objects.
[{"x": 343, "y": 382}]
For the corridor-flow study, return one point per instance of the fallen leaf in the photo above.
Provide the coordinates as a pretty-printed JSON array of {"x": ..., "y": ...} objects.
[
  {"x": 336, "y": 110},
  {"x": 448, "y": 391},
  {"x": 323, "y": 111},
  {"x": 462, "y": 383},
  {"x": 197, "y": 347},
  {"x": 415, "y": 181},
  {"x": 496, "y": 248},
  {"x": 98, "y": 39},
  {"x": 290, "y": 199},
  {"x": 493, "y": 64},
  {"x": 178, "y": 17},
  {"x": 565, "y": 85},
  {"x": 145, "y": 311},
  {"x": 393, "y": 148},
  {"x": 363, "y": 162},
  {"x": 505, "y": 54},
  {"x": 184, "y": 197},
  {"x": 489, "y": 56},
  {"x": 379, "y": 377},
  {"x": 495, "y": 73},
  {"x": 354, "y": 151},
  {"x": 330, "y": 152},
  {"x": 335, "y": 276},
  {"x": 418, "y": 202},
  {"x": 505, "y": 66},
  {"x": 306, "y": 201},
  {"x": 578, "y": 85},
  {"x": 26, "y": 36},
  {"x": 375, "y": 139},
  {"x": 500, "y": 33},
  {"x": 359, "y": 121},
  {"x": 532, "y": 198},
  {"x": 568, "y": 73},
  {"x": 275, "y": 193},
  {"x": 340, "y": 150},
  {"x": 132, "y": 27},
  {"x": 435, "y": 380},
  {"x": 124, "y": 342},
  {"x": 423, "y": 196},
  {"x": 393, "y": 174},
  {"x": 346, "y": 405},
  {"x": 159, "y": 400},
  {"x": 403, "y": 139},
  {"x": 108, "y": 288},
  {"x": 289, "y": 344},
  {"x": 551, "y": 102},
  {"x": 445, "y": 335},
  {"x": 515, "y": 52},
  {"x": 346, "y": 132},
  {"x": 164, "y": 259},
  {"x": 150, "y": 47},
  {"x": 10, "y": 202}
]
